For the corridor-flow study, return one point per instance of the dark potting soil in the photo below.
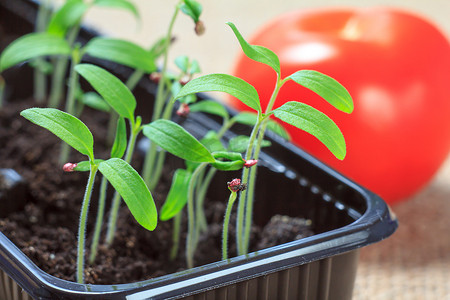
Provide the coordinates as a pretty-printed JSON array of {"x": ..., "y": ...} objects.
[{"x": 45, "y": 226}]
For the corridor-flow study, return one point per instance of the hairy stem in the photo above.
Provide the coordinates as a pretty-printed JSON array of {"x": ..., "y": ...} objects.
[
  {"x": 39, "y": 84},
  {"x": 157, "y": 170},
  {"x": 201, "y": 218},
  {"x": 249, "y": 177},
  {"x": 160, "y": 99},
  {"x": 149, "y": 162},
  {"x": 112, "y": 125},
  {"x": 40, "y": 78},
  {"x": 191, "y": 241},
  {"x": 59, "y": 71},
  {"x": 176, "y": 236},
  {"x": 154, "y": 160},
  {"x": 70, "y": 101},
  {"x": 198, "y": 207},
  {"x": 134, "y": 78},
  {"x": 99, "y": 221},
  {"x": 226, "y": 222},
  {"x": 242, "y": 199},
  {"x": 83, "y": 223},
  {"x": 251, "y": 189}
]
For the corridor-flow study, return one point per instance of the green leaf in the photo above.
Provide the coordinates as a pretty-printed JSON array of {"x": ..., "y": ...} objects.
[
  {"x": 191, "y": 166},
  {"x": 210, "y": 107},
  {"x": 178, "y": 194},
  {"x": 233, "y": 161},
  {"x": 223, "y": 83},
  {"x": 246, "y": 118},
  {"x": 194, "y": 67},
  {"x": 326, "y": 87},
  {"x": 278, "y": 129},
  {"x": 192, "y": 98},
  {"x": 120, "y": 141},
  {"x": 228, "y": 155},
  {"x": 257, "y": 53},
  {"x": 67, "y": 16},
  {"x": 122, "y": 52},
  {"x": 31, "y": 46},
  {"x": 182, "y": 62},
  {"x": 68, "y": 128},
  {"x": 228, "y": 165},
  {"x": 85, "y": 165},
  {"x": 158, "y": 47},
  {"x": 192, "y": 8},
  {"x": 212, "y": 142},
  {"x": 92, "y": 99},
  {"x": 110, "y": 88},
  {"x": 176, "y": 140},
  {"x": 314, "y": 122},
  {"x": 240, "y": 143},
  {"x": 186, "y": 66},
  {"x": 42, "y": 65},
  {"x": 186, "y": 99},
  {"x": 175, "y": 88},
  {"x": 132, "y": 189},
  {"x": 127, "y": 5}
]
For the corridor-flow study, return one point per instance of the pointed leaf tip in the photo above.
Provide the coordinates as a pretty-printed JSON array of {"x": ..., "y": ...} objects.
[
  {"x": 257, "y": 53},
  {"x": 326, "y": 87},
  {"x": 132, "y": 188},
  {"x": 315, "y": 123}
]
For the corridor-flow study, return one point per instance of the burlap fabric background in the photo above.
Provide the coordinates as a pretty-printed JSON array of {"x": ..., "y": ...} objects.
[{"x": 414, "y": 263}]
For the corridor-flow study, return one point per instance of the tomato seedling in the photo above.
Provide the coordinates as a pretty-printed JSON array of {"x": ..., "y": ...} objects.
[
  {"x": 396, "y": 66},
  {"x": 297, "y": 114},
  {"x": 119, "y": 173}
]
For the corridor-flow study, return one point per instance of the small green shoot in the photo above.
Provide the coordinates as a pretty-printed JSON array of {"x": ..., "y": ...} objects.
[
  {"x": 123, "y": 102},
  {"x": 234, "y": 186},
  {"x": 122, "y": 176},
  {"x": 30, "y": 46},
  {"x": 294, "y": 113}
]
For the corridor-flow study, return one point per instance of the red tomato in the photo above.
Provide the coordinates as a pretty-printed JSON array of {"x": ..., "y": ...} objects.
[{"x": 395, "y": 65}]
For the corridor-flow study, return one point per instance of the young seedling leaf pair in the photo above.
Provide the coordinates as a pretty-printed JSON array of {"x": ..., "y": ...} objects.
[
  {"x": 294, "y": 113},
  {"x": 174, "y": 139},
  {"x": 119, "y": 173},
  {"x": 122, "y": 52},
  {"x": 110, "y": 88},
  {"x": 297, "y": 114},
  {"x": 167, "y": 134},
  {"x": 191, "y": 8},
  {"x": 31, "y": 46},
  {"x": 45, "y": 44},
  {"x": 119, "y": 98}
]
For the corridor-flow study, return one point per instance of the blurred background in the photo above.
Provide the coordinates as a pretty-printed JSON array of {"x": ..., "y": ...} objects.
[
  {"x": 217, "y": 48},
  {"x": 415, "y": 262}
]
